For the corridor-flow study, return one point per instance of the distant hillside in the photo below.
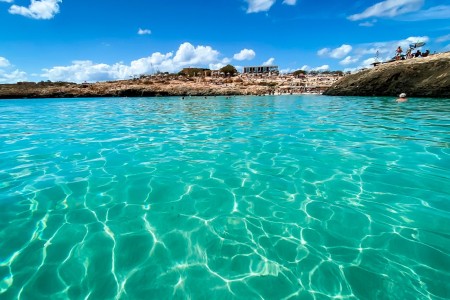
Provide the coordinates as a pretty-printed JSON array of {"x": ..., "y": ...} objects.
[{"x": 417, "y": 77}]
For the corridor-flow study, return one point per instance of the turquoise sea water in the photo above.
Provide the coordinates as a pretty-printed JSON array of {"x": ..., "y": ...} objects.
[{"x": 285, "y": 197}]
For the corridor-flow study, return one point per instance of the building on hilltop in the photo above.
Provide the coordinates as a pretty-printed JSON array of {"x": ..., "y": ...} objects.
[{"x": 261, "y": 70}]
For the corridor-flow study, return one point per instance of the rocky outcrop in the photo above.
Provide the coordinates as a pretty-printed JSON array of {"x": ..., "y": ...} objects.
[
  {"x": 173, "y": 85},
  {"x": 146, "y": 87},
  {"x": 417, "y": 77}
]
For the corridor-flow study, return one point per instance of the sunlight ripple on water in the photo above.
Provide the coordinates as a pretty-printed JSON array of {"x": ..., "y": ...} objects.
[{"x": 285, "y": 197}]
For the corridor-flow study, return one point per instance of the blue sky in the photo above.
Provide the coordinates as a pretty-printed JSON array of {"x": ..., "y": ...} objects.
[{"x": 97, "y": 40}]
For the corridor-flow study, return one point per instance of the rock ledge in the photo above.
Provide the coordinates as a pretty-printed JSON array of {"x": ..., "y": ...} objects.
[{"x": 417, "y": 77}]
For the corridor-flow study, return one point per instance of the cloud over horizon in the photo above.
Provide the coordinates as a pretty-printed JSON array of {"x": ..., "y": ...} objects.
[
  {"x": 367, "y": 53},
  {"x": 348, "y": 60},
  {"x": 322, "y": 68},
  {"x": 10, "y": 76},
  {"x": 339, "y": 52},
  {"x": 269, "y": 62},
  {"x": 4, "y": 62},
  {"x": 245, "y": 54},
  {"x": 186, "y": 56}
]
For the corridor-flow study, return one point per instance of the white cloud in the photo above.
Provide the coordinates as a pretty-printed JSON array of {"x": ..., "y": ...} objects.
[
  {"x": 269, "y": 62},
  {"x": 367, "y": 63},
  {"x": 413, "y": 39},
  {"x": 369, "y": 52},
  {"x": 186, "y": 55},
  {"x": 144, "y": 31},
  {"x": 368, "y": 23},
  {"x": 216, "y": 66},
  {"x": 255, "y": 6},
  {"x": 323, "y": 52},
  {"x": 351, "y": 70},
  {"x": 290, "y": 2},
  {"x": 83, "y": 71},
  {"x": 7, "y": 1},
  {"x": 292, "y": 70},
  {"x": 38, "y": 9},
  {"x": 322, "y": 68},
  {"x": 226, "y": 60},
  {"x": 4, "y": 62},
  {"x": 341, "y": 51},
  {"x": 444, "y": 38},
  {"x": 221, "y": 64},
  {"x": 335, "y": 53},
  {"x": 287, "y": 71},
  {"x": 380, "y": 51},
  {"x": 388, "y": 8},
  {"x": 12, "y": 77},
  {"x": 245, "y": 54},
  {"x": 239, "y": 68},
  {"x": 305, "y": 68},
  {"x": 372, "y": 49},
  {"x": 153, "y": 63},
  {"x": 348, "y": 60},
  {"x": 433, "y": 13}
]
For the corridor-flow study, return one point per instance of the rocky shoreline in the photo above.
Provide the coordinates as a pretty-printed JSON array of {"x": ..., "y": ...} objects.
[
  {"x": 417, "y": 77},
  {"x": 172, "y": 85}
]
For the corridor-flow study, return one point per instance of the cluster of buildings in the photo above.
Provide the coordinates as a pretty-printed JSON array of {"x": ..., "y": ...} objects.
[
  {"x": 261, "y": 70},
  {"x": 290, "y": 83},
  {"x": 269, "y": 76}
]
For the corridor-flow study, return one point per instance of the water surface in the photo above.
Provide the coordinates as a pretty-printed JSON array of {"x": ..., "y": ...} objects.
[{"x": 285, "y": 197}]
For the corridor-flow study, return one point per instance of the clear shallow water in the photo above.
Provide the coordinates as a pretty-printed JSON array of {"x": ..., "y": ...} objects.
[{"x": 243, "y": 198}]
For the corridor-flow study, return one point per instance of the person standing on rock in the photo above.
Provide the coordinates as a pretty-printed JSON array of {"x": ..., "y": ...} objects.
[{"x": 399, "y": 51}]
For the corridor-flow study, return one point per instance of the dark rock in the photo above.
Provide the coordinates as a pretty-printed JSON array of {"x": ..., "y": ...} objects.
[{"x": 418, "y": 77}]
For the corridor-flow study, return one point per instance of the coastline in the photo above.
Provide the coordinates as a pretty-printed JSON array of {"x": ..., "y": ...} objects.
[
  {"x": 427, "y": 77},
  {"x": 174, "y": 85}
]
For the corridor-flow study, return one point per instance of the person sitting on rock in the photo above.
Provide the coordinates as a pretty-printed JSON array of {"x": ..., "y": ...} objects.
[
  {"x": 425, "y": 54},
  {"x": 409, "y": 53},
  {"x": 418, "y": 53}
]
